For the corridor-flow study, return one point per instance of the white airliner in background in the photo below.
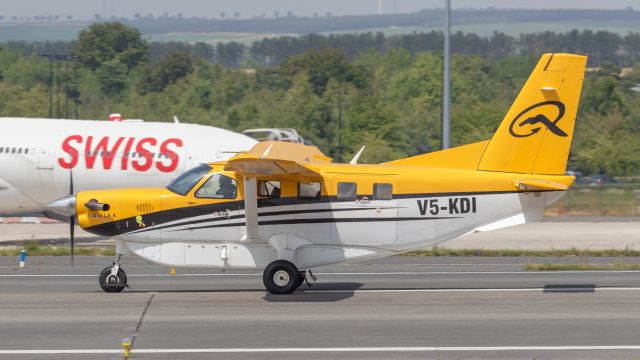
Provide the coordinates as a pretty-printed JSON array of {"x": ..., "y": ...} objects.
[{"x": 39, "y": 156}]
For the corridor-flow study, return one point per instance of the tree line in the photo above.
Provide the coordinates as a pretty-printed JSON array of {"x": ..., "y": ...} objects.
[
  {"x": 601, "y": 46},
  {"x": 389, "y": 100},
  {"x": 290, "y": 24}
]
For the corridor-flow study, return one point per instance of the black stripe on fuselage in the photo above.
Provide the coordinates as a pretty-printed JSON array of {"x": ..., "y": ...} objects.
[
  {"x": 158, "y": 218},
  {"x": 319, "y": 221},
  {"x": 261, "y": 214}
]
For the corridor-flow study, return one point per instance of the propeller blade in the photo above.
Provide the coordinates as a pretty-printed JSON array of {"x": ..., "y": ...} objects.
[
  {"x": 72, "y": 229},
  {"x": 72, "y": 222}
]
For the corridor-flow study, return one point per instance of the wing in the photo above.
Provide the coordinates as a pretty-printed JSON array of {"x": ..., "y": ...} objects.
[{"x": 280, "y": 160}]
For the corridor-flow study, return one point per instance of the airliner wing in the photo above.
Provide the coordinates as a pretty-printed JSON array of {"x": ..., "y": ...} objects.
[{"x": 279, "y": 160}]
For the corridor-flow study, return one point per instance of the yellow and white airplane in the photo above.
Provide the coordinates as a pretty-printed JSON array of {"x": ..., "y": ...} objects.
[{"x": 286, "y": 208}]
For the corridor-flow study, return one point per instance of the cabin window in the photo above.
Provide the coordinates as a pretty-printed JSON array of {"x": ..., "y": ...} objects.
[
  {"x": 269, "y": 189},
  {"x": 382, "y": 191},
  {"x": 347, "y": 190},
  {"x": 13, "y": 150},
  {"x": 185, "y": 182},
  {"x": 218, "y": 186},
  {"x": 19, "y": 150},
  {"x": 309, "y": 190},
  {"x": 26, "y": 151}
]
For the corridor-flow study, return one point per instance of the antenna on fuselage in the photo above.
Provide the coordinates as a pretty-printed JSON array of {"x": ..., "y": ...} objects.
[
  {"x": 357, "y": 156},
  {"x": 266, "y": 152},
  {"x": 176, "y": 120}
]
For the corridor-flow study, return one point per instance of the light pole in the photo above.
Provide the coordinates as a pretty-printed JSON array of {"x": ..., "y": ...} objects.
[
  {"x": 57, "y": 58},
  {"x": 446, "y": 81}
]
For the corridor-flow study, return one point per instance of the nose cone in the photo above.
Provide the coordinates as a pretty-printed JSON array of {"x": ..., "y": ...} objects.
[{"x": 65, "y": 206}]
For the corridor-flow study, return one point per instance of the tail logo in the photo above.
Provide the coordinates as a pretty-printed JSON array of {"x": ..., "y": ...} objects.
[{"x": 534, "y": 122}]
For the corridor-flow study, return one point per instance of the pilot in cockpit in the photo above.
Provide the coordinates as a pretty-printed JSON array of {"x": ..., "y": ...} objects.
[{"x": 227, "y": 189}]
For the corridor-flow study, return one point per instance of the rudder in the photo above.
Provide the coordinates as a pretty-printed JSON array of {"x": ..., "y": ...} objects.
[{"x": 535, "y": 135}]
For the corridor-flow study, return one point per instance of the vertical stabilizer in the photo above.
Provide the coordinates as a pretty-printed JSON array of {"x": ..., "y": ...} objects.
[{"x": 535, "y": 136}]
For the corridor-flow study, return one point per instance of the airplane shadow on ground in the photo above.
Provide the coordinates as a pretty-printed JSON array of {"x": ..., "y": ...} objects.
[{"x": 318, "y": 292}]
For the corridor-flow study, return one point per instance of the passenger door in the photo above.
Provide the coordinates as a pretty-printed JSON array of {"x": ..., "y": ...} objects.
[
  {"x": 215, "y": 213},
  {"x": 366, "y": 215}
]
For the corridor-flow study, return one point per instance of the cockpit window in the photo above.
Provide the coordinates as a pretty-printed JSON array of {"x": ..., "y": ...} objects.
[
  {"x": 218, "y": 187},
  {"x": 185, "y": 182}
]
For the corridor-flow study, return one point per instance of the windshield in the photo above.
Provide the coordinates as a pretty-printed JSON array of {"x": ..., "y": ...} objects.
[
  {"x": 185, "y": 182},
  {"x": 218, "y": 187}
]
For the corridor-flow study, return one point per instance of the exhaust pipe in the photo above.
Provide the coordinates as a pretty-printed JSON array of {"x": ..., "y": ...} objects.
[{"x": 94, "y": 205}]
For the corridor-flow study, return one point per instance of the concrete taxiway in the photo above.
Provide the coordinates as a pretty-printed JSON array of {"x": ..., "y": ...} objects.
[{"x": 400, "y": 307}]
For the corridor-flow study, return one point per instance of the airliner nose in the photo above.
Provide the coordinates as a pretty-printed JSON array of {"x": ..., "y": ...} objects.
[{"x": 65, "y": 206}]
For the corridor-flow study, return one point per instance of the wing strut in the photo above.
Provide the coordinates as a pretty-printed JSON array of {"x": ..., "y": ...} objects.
[{"x": 251, "y": 209}]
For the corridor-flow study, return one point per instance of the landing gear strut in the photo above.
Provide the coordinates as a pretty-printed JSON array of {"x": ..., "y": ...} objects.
[{"x": 113, "y": 279}]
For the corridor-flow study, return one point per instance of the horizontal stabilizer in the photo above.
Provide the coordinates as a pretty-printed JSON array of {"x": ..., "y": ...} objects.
[{"x": 538, "y": 184}]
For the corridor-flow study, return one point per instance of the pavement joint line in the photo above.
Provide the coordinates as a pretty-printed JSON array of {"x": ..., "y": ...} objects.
[
  {"x": 139, "y": 325},
  {"x": 356, "y": 273},
  {"x": 328, "y": 349}
]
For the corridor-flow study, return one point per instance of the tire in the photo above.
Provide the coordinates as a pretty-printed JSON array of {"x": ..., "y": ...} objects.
[
  {"x": 281, "y": 277},
  {"x": 112, "y": 284}
]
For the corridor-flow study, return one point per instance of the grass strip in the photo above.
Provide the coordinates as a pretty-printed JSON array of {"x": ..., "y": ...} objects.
[
  {"x": 436, "y": 251},
  {"x": 35, "y": 249},
  {"x": 579, "y": 267}
]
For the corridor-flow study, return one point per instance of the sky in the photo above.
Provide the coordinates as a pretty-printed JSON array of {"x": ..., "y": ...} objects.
[{"x": 85, "y": 9}]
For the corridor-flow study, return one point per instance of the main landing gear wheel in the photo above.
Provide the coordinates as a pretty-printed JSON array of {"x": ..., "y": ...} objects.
[
  {"x": 112, "y": 283},
  {"x": 281, "y": 277}
]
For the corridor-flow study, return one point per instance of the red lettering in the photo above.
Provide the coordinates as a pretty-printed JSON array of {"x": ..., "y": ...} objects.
[
  {"x": 110, "y": 154},
  {"x": 146, "y": 154},
  {"x": 125, "y": 154},
  {"x": 73, "y": 152},
  {"x": 165, "y": 152},
  {"x": 89, "y": 154},
  {"x": 102, "y": 149},
  {"x": 168, "y": 158}
]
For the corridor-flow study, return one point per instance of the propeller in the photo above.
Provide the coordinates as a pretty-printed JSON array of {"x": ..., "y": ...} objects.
[{"x": 72, "y": 220}]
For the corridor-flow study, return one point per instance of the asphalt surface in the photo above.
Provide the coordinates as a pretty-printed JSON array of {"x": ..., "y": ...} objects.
[{"x": 400, "y": 307}]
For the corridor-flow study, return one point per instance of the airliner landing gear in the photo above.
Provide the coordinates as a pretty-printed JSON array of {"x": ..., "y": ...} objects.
[
  {"x": 282, "y": 277},
  {"x": 112, "y": 278}
]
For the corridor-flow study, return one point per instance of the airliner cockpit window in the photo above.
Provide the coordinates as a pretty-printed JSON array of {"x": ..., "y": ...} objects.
[
  {"x": 185, "y": 182},
  {"x": 218, "y": 187}
]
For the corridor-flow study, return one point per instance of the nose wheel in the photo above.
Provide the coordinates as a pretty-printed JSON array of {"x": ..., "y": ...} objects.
[
  {"x": 112, "y": 278},
  {"x": 282, "y": 277}
]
